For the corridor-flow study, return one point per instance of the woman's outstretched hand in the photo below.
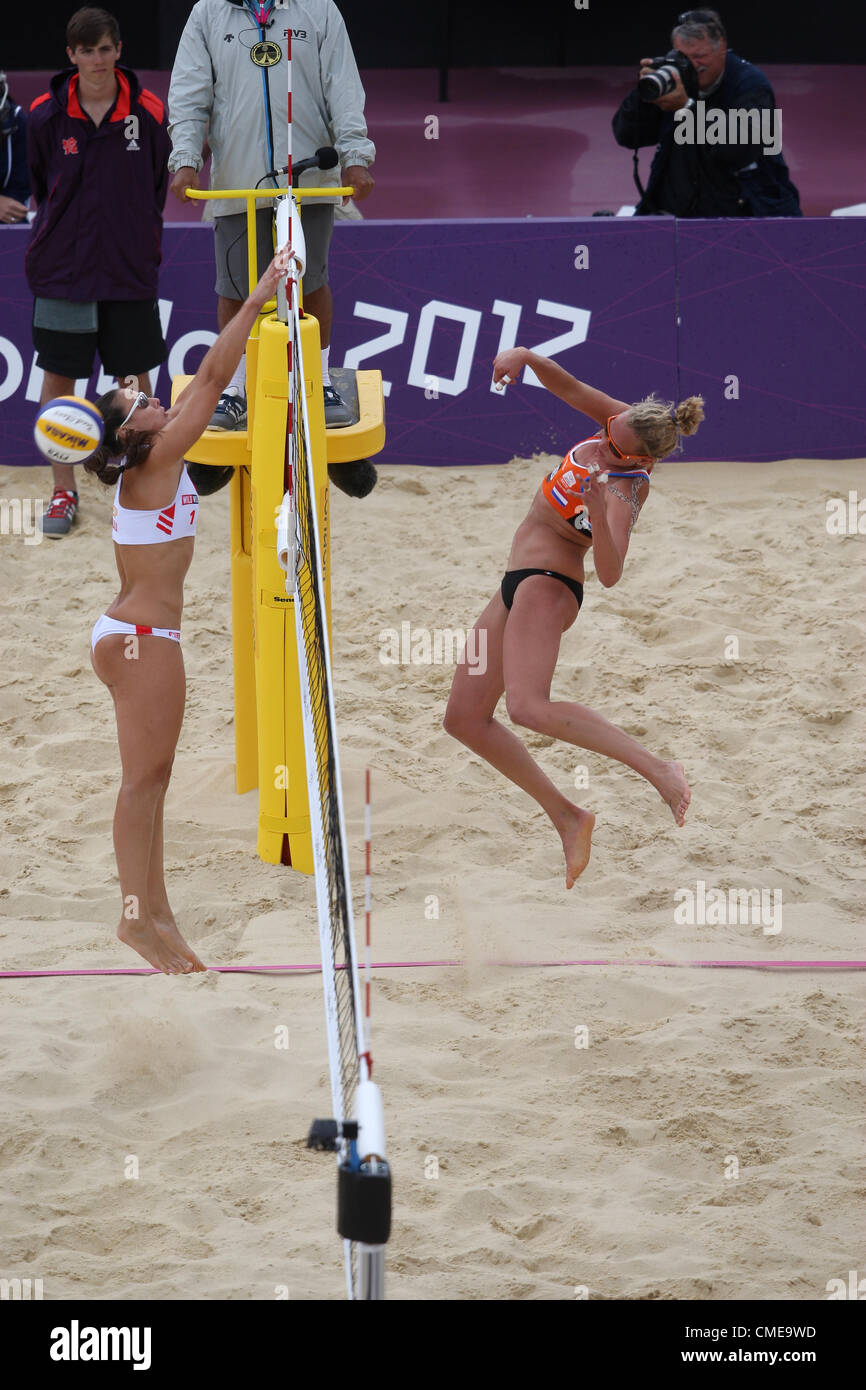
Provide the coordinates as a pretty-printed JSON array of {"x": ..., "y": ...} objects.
[
  {"x": 275, "y": 273},
  {"x": 507, "y": 366}
]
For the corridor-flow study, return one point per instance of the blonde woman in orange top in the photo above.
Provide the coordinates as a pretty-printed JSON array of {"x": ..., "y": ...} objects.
[{"x": 592, "y": 499}]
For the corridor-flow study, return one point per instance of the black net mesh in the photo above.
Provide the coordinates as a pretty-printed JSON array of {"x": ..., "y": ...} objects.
[{"x": 334, "y": 869}]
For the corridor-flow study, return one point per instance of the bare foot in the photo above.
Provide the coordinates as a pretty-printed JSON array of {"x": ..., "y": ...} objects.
[
  {"x": 576, "y": 834},
  {"x": 166, "y": 926},
  {"x": 144, "y": 938},
  {"x": 673, "y": 788}
]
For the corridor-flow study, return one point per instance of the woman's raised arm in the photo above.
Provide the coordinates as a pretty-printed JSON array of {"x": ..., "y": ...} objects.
[
  {"x": 596, "y": 404},
  {"x": 191, "y": 413}
]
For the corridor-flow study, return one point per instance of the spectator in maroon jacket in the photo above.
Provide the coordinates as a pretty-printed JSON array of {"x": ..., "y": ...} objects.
[{"x": 97, "y": 152}]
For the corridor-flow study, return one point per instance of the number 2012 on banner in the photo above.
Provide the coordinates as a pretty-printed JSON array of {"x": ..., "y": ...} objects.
[{"x": 397, "y": 321}]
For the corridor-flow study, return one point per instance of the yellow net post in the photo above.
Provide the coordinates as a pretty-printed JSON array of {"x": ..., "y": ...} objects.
[
  {"x": 283, "y": 805},
  {"x": 269, "y": 747}
]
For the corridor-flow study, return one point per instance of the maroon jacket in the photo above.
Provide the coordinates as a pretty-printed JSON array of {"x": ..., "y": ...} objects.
[{"x": 100, "y": 192}]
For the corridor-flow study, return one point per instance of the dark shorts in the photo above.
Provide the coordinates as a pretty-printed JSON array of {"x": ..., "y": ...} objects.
[
  {"x": 230, "y": 248},
  {"x": 128, "y": 338}
]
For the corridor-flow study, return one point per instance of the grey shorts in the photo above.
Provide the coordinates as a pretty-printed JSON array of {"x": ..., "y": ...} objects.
[{"x": 230, "y": 247}]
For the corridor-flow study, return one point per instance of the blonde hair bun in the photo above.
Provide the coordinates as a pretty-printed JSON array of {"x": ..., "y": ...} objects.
[{"x": 657, "y": 424}]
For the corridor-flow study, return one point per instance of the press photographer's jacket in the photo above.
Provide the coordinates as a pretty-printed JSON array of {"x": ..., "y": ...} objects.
[
  {"x": 217, "y": 91},
  {"x": 710, "y": 180}
]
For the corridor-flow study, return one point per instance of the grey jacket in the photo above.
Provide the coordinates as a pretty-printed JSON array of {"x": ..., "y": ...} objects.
[{"x": 218, "y": 92}]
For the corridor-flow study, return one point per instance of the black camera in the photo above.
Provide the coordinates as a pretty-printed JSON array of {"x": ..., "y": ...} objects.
[{"x": 663, "y": 79}]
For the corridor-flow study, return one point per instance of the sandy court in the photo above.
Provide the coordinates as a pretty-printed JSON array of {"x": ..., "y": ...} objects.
[{"x": 560, "y": 1168}]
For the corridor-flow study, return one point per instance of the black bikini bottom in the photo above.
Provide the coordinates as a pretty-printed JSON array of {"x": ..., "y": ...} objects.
[{"x": 514, "y": 577}]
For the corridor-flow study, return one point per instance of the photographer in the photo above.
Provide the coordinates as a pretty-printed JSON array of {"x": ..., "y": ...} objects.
[{"x": 733, "y": 178}]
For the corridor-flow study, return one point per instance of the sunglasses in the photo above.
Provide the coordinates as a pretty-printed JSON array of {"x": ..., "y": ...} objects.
[
  {"x": 140, "y": 400},
  {"x": 618, "y": 453}
]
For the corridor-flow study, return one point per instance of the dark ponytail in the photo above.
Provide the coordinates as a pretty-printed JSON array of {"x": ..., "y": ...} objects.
[{"x": 129, "y": 453}]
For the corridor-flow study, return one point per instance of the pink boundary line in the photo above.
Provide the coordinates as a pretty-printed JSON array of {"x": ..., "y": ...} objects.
[{"x": 426, "y": 964}]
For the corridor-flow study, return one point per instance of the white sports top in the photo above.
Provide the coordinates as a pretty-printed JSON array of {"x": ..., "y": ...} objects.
[{"x": 131, "y": 527}]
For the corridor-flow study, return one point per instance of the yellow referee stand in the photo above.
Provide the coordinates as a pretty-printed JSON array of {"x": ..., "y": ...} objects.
[{"x": 269, "y": 742}]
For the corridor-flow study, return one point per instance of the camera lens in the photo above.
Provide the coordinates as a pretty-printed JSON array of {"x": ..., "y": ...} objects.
[{"x": 655, "y": 84}]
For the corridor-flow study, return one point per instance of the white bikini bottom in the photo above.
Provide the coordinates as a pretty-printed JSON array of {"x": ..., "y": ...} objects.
[{"x": 106, "y": 625}]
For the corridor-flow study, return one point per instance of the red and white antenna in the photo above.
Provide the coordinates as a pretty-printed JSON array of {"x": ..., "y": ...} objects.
[
  {"x": 288, "y": 221},
  {"x": 289, "y": 79},
  {"x": 368, "y": 899},
  {"x": 287, "y": 550}
]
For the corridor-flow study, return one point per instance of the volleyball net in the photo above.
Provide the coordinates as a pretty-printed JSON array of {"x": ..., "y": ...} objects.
[
  {"x": 356, "y": 1132},
  {"x": 333, "y": 888}
]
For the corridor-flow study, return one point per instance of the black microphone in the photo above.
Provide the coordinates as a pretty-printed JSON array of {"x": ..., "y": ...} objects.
[{"x": 325, "y": 158}]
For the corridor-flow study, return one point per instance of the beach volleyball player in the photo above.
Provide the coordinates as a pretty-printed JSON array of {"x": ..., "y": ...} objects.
[
  {"x": 135, "y": 645},
  {"x": 592, "y": 499}
]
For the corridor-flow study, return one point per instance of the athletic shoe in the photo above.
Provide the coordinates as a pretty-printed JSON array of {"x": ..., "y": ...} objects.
[
  {"x": 337, "y": 413},
  {"x": 230, "y": 414},
  {"x": 60, "y": 513}
]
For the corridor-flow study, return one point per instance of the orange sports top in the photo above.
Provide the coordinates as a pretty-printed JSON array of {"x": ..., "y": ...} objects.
[{"x": 562, "y": 487}]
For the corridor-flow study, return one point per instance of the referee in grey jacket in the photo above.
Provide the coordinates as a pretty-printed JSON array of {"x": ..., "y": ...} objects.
[{"x": 229, "y": 87}]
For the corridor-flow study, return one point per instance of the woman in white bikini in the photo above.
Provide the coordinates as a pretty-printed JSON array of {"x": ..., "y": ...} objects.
[
  {"x": 577, "y": 506},
  {"x": 135, "y": 645}
]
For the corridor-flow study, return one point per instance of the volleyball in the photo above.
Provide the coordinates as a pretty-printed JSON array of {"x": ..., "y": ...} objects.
[{"x": 68, "y": 429}]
